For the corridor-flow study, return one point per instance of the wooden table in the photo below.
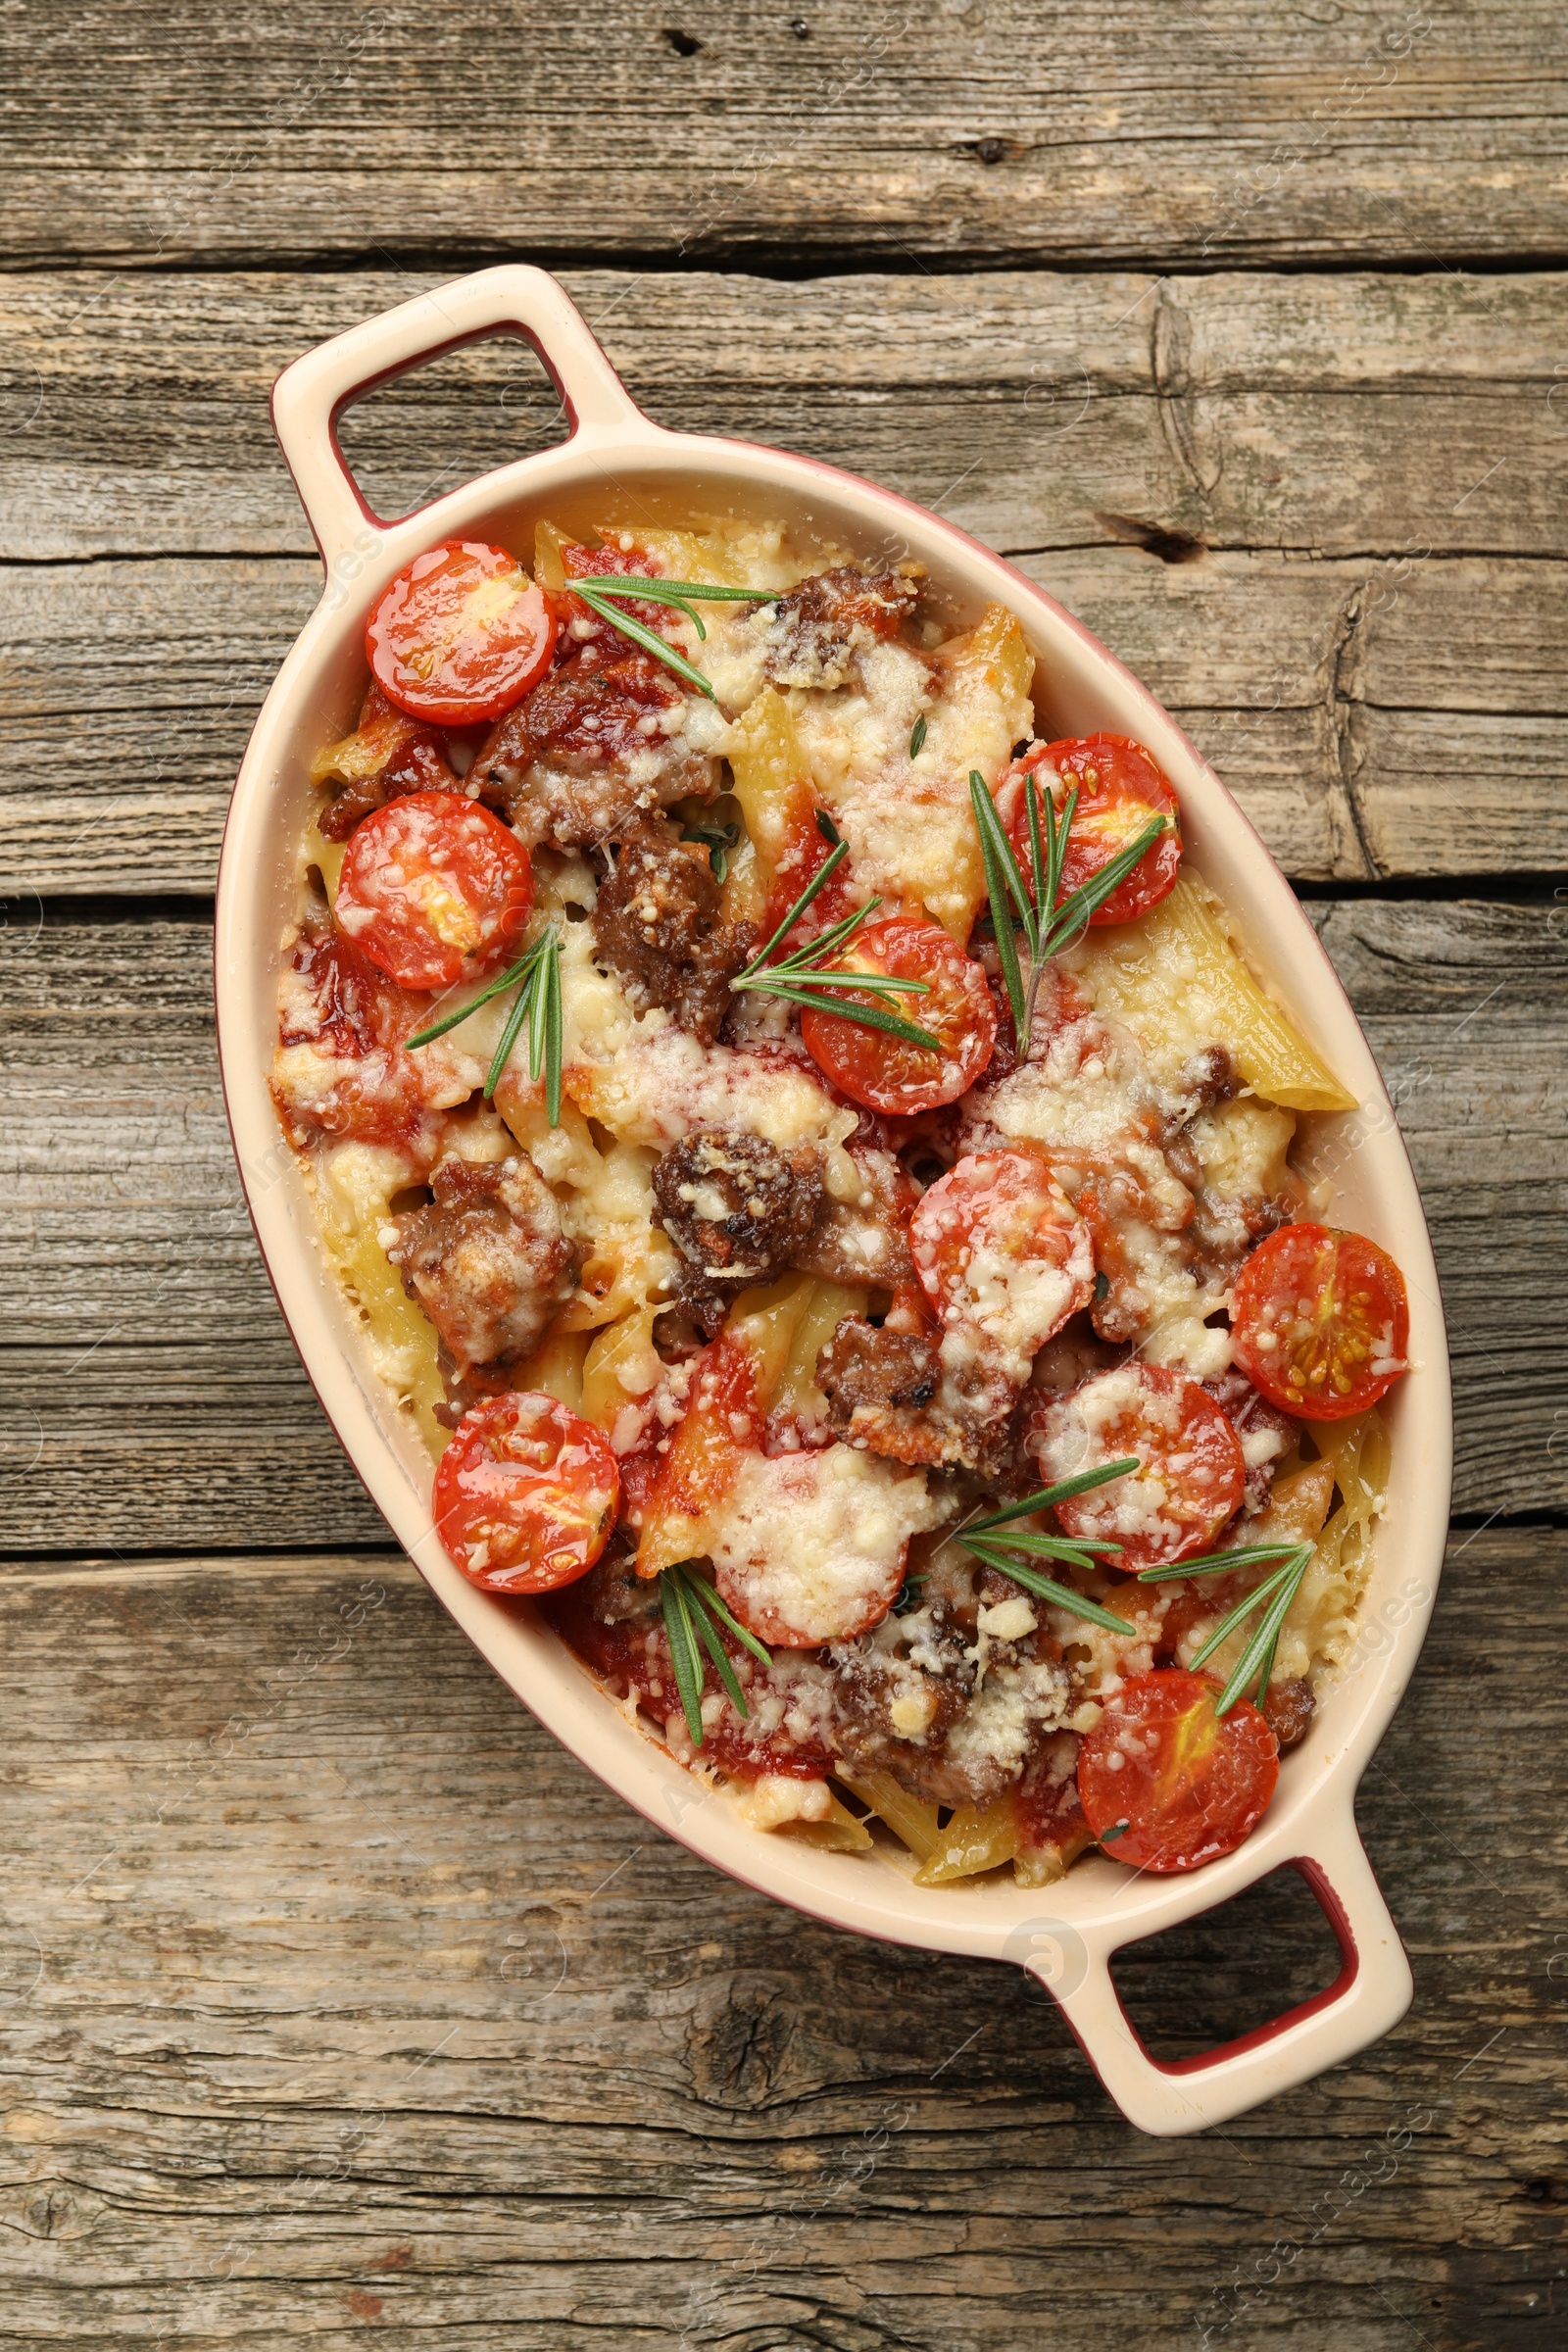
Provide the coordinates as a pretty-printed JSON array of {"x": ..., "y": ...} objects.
[{"x": 337, "y": 2001}]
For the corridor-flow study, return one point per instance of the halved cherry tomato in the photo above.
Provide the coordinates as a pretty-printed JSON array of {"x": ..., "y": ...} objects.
[
  {"x": 885, "y": 1073},
  {"x": 525, "y": 1493},
  {"x": 435, "y": 889},
  {"x": 460, "y": 634},
  {"x": 1321, "y": 1322},
  {"x": 1192, "y": 1474},
  {"x": 1001, "y": 1251},
  {"x": 1120, "y": 789},
  {"x": 1187, "y": 1784}
]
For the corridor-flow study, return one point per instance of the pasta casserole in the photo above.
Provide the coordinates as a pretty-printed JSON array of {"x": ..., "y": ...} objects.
[{"x": 814, "y": 1162}]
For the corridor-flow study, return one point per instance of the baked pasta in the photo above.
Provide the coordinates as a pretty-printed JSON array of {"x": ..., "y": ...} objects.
[{"x": 814, "y": 1162}]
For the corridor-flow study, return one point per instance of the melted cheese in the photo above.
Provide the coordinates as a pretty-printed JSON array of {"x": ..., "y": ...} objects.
[{"x": 816, "y": 1541}]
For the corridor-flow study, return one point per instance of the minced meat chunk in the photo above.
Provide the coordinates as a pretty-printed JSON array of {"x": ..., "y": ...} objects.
[
  {"x": 486, "y": 1259},
  {"x": 1289, "y": 1708},
  {"x": 657, "y": 926},
  {"x": 813, "y": 633},
  {"x": 597, "y": 742},
  {"x": 864, "y": 1242},
  {"x": 737, "y": 1212},
  {"x": 888, "y": 1391},
  {"x": 387, "y": 755}
]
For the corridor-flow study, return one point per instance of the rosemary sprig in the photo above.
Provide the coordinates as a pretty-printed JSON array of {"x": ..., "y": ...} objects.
[
  {"x": 985, "y": 1538},
  {"x": 1047, "y": 927},
  {"x": 448, "y": 1021},
  {"x": 917, "y": 737},
  {"x": 598, "y": 589},
  {"x": 804, "y": 977},
  {"x": 539, "y": 1006},
  {"x": 692, "y": 1613},
  {"x": 1274, "y": 1596}
]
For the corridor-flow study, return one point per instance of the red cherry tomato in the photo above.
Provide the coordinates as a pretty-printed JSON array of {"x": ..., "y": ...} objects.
[
  {"x": 435, "y": 889},
  {"x": 1321, "y": 1322},
  {"x": 526, "y": 1495},
  {"x": 883, "y": 1072},
  {"x": 1188, "y": 1783},
  {"x": 1192, "y": 1474},
  {"x": 1000, "y": 1250},
  {"x": 1120, "y": 789},
  {"x": 460, "y": 634}
]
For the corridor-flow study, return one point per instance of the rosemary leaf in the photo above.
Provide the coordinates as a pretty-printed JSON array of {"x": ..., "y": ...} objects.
[
  {"x": 508, "y": 1037},
  {"x": 450, "y": 1021},
  {"x": 1216, "y": 1563},
  {"x": 1238, "y": 1616},
  {"x": 826, "y": 943},
  {"x": 866, "y": 1016},
  {"x": 828, "y": 829},
  {"x": 683, "y": 1653},
  {"x": 818, "y": 881},
  {"x": 917, "y": 737},
  {"x": 649, "y": 639},
  {"x": 1062, "y": 1597},
  {"x": 743, "y": 1634},
  {"x": 1063, "y": 1491},
  {"x": 554, "y": 1033},
  {"x": 993, "y": 829},
  {"x": 662, "y": 591},
  {"x": 1258, "y": 1656},
  {"x": 1001, "y": 913},
  {"x": 694, "y": 1597},
  {"x": 1045, "y": 1547},
  {"x": 1075, "y": 911},
  {"x": 835, "y": 975}
]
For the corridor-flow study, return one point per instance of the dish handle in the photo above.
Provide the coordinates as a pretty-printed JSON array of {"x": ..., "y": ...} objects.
[
  {"x": 1367, "y": 1999},
  {"x": 308, "y": 397}
]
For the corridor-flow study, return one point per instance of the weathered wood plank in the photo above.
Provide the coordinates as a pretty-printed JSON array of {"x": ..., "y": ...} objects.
[
  {"x": 1330, "y": 450},
  {"x": 1346, "y": 416},
  {"x": 1326, "y": 693},
  {"x": 339, "y": 1996},
  {"x": 152, "y": 1397},
  {"x": 1131, "y": 131}
]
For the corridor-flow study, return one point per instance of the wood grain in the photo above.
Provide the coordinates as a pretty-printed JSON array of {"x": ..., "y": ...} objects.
[
  {"x": 153, "y": 1397},
  {"x": 1302, "y": 630},
  {"x": 341, "y": 2000},
  {"x": 338, "y": 2001},
  {"x": 975, "y": 127},
  {"x": 1323, "y": 691},
  {"x": 1349, "y": 416}
]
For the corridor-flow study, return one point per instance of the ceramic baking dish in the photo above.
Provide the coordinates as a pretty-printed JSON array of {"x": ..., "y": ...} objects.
[{"x": 617, "y": 462}]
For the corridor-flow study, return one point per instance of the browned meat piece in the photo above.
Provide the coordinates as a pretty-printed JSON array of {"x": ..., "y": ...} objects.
[
  {"x": 1209, "y": 1077},
  {"x": 487, "y": 1259},
  {"x": 887, "y": 1391},
  {"x": 893, "y": 1712},
  {"x": 1289, "y": 1708},
  {"x": 596, "y": 743},
  {"x": 1266, "y": 1433},
  {"x": 912, "y": 1700},
  {"x": 865, "y": 1242},
  {"x": 737, "y": 1211},
  {"x": 814, "y": 631},
  {"x": 419, "y": 764},
  {"x": 657, "y": 926},
  {"x": 388, "y": 754}
]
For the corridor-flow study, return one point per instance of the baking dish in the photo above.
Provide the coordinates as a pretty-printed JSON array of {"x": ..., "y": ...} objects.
[{"x": 616, "y": 458}]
